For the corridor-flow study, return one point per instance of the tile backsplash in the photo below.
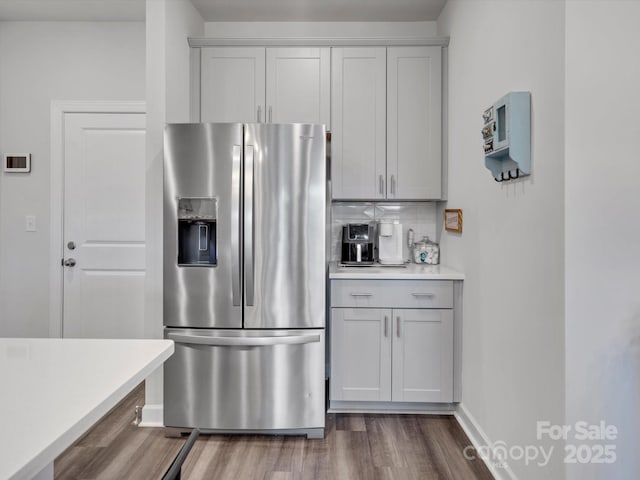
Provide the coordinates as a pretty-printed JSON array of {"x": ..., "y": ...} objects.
[{"x": 420, "y": 216}]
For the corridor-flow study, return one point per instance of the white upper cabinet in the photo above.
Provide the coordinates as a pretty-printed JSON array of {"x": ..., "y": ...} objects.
[
  {"x": 275, "y": 85},
  {"x": 358, "y": 111},
  {"x": 386, "y": 110},
  {"x": 414, "y": 123},
  {"x": 383, "y": 106},
  {"x": 232, "y": 84},
  {"x": 298, "y": 85}
]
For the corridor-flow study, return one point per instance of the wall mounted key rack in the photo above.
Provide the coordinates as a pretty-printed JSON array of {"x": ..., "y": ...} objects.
[{"x": 506, "y": 132}]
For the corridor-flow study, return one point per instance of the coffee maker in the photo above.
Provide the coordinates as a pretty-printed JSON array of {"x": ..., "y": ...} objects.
[
  {"x": 390, "y": 242},
  {"x": 358, "y": 244}
]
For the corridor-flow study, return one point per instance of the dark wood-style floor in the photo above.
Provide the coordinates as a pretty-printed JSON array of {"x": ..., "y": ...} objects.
[{"x": 355, "y": 447}]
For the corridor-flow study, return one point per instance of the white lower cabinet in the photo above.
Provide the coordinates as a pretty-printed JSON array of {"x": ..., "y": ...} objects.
[
  {"x": 398, "y": 355},
  {"x": 422, "y": 356},
  {"x": 391, "y": 354},
  {"x": 360, "y": 354}
]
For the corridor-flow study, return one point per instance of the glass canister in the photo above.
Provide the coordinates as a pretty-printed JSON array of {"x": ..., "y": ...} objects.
[{"x": 426, "y": 252}]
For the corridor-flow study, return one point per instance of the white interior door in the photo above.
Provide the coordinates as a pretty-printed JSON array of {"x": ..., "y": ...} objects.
[{"x": 104, "y": 231}]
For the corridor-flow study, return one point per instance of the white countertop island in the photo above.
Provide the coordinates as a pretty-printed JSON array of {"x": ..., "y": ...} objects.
[
  {"x": 411, "y": 271},
  {"x": 54, "y": 390}
]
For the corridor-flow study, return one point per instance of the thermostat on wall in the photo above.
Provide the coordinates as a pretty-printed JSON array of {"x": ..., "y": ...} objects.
[{"x": 17, "y": 162}]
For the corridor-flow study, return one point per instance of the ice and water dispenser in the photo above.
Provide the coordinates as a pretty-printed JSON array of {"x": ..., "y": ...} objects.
[{"x": 197, "y": 232}]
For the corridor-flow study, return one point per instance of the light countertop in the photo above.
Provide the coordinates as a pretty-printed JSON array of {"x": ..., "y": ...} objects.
[
  {"x": 54, "y": 390},
  {"x": 411, "y": 271}
]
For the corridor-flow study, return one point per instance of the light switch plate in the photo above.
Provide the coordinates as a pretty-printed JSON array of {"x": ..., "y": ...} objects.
[{"x": 30, "y": 223}]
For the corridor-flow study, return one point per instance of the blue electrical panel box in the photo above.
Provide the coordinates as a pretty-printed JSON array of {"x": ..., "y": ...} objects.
[{"x": 507, "y": 136}]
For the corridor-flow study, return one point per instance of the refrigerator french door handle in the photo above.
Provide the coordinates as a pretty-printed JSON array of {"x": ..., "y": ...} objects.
[
  {"x": 243, "y": 341},
  {"x": 248, "y": 226},
  {"x": 235, "y": 225}
]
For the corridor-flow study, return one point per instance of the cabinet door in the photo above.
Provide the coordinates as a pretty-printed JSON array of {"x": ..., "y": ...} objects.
[
  {"x": 298, "y": 82},
  {"x": 414, "y": 124},
  {"x": 358, "y": 111},
  {"x": 360, "y": 354},
  {"x": 232, "y": 84},
  {"x": 422, "y": 355}
]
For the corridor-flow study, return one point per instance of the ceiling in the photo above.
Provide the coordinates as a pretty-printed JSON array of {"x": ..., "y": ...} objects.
[
  {"x": 319, "y": 10},
  {"x": 228, "y": 10}
]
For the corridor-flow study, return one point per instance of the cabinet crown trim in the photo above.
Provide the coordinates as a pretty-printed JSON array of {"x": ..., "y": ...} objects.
[{"x": 197, "y": 42}]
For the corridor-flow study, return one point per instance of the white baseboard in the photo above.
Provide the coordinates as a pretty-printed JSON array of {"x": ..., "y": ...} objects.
[
  {"x": 45, "y": 474},
  {"x": 152, "y": 416},
  {"x": 340, "y": 406},
  {"x": 481, "y": 441}
]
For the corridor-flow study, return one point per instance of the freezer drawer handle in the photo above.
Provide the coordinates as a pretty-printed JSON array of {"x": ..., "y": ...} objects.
[{"x": 244, "y": 341}]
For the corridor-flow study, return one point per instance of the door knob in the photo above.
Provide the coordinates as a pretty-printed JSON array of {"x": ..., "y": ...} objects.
[{"x": 69, "y": 262}]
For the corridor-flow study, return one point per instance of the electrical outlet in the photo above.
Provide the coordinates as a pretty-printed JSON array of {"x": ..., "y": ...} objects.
[{"x": 30, "y": 223}]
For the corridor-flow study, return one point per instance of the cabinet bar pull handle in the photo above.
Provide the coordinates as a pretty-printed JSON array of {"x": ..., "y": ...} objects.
[
  {"x": 362, "y": 294},
  {"x": 393, "y": 184},
  {"x": 422, "y": 294},
  {"x": 386, "y": 324},
  {"x": 381, "y": 184},
  {"x": 259, "y": 113},
  {"x": 398, "y": 326},
  {"x": 270, "y": 114}
]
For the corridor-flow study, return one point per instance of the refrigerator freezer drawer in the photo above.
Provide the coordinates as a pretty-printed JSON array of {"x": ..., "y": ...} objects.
[{"x": 252, "y": 380}]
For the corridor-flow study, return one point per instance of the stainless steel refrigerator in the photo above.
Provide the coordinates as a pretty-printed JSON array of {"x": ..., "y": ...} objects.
[{"x": 244, "y": 277}]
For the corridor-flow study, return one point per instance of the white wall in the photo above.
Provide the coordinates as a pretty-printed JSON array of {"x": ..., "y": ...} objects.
[
  {"x": 319, "y": 29},
  {"x": 511, "y": 248},
  {"x": 169, "y": 24},
  {"x": 602, "y": 229},
  {"x": 42, "y": 61}
]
